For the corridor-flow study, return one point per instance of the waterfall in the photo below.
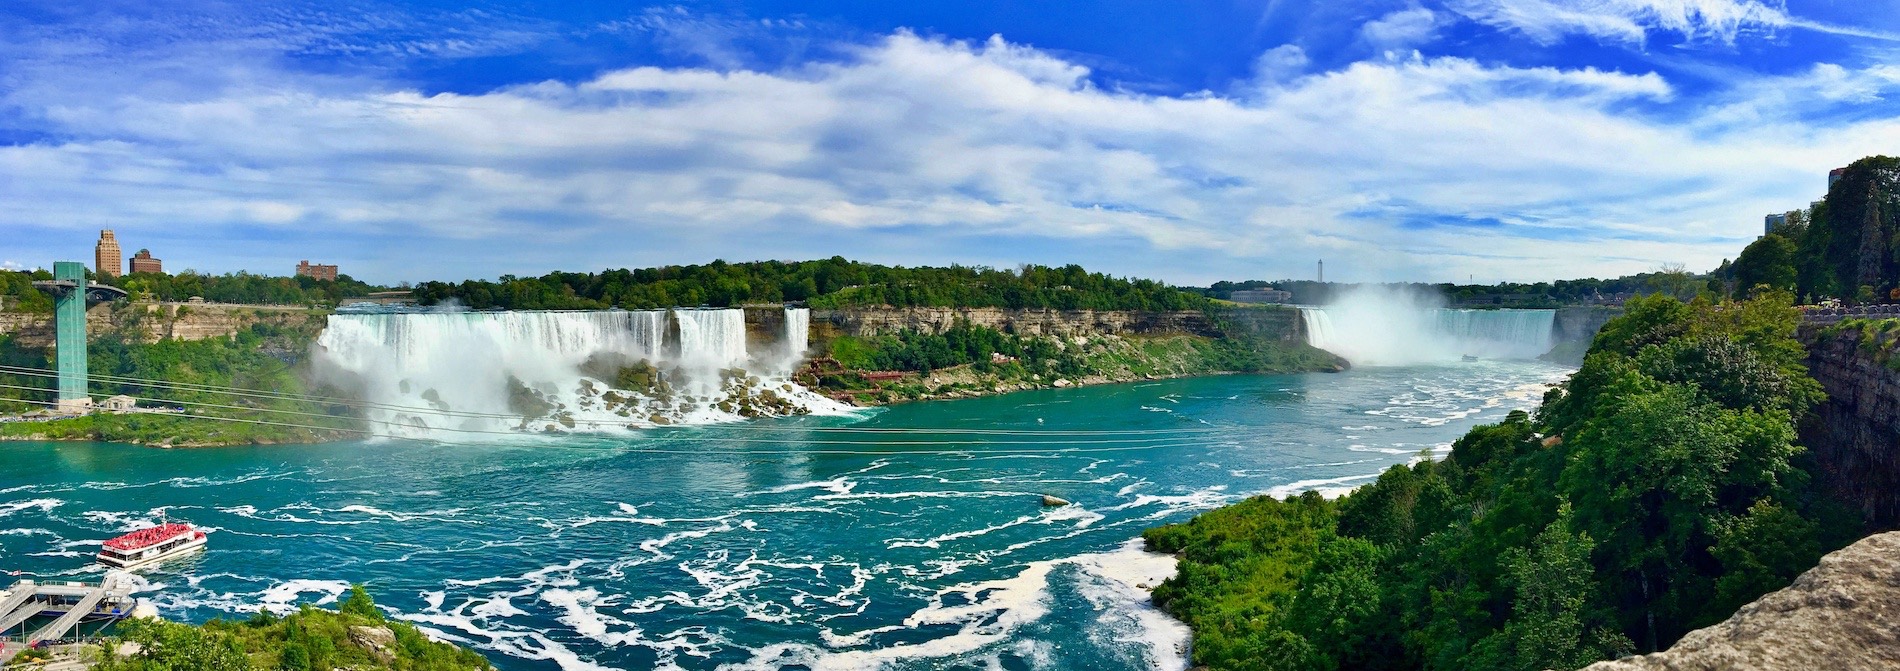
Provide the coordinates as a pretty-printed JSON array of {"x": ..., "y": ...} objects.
[
  {"x": 712, "y": 337},
  {"x": 1402, "y": 332},
  {"x": 797, "y": 336},
  {"x": 562, "y": 371}
]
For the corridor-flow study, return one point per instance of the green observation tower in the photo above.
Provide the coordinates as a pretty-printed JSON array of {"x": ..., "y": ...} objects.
[{"x": 71, "y": 293}]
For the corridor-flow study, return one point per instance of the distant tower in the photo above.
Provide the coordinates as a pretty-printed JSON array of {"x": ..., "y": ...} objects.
[
  {"x": 106, "y": 258},
  {"x": 1322, "y": 270}
]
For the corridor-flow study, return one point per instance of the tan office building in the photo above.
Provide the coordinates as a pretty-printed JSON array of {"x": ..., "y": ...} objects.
[{"x": 108, "y": 261}]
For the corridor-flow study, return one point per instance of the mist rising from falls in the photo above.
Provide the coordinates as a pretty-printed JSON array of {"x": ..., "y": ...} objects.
[
  {"x": 1377, "y": 326},
  {"x": 449, "y": 373}
]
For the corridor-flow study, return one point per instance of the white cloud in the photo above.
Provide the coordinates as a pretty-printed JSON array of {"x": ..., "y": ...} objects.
[
  {"x": 1281, "y": 63},
  {"x": 1403, "y": 29},
  {"x": 930, "y": 142},
  {"x": 1627, "y": 21}
]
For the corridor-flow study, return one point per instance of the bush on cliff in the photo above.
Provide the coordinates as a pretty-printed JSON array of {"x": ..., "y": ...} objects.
[{"x": 1655, "y": 491}]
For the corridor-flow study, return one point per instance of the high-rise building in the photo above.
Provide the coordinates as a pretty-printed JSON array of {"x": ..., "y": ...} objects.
[
  {"x": 316, "y": 271},
  {"x": 143, "y": 262},
  {"x": 107, "y": 260},
  {"x": 1772, "y": 222},
  {"x": 1322, "y": 270},
  {"x": 1835, "y": 176}
]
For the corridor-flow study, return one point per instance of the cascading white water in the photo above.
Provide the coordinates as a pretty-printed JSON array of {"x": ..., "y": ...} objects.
[
  {"x": 712, "y": 337},
  {"x": 797, "y": 337},
  {"x": 1382, "y": 328},
  {"x": 562, "y": 371}
]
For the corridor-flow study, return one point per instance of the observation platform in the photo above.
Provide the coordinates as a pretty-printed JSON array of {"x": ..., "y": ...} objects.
[
  {"x": 70, "y": 604},
  {"x": 95, "y": 293}
]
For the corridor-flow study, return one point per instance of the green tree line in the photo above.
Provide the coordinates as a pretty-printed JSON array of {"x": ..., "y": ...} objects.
[
  {"x": 833, "y": 282},
  {"x": 1657, "y": 490}
]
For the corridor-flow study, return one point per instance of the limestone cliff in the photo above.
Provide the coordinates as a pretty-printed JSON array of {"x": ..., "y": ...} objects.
[
  {"x": 151, "y": 322},
  {"x": 1839, "y": 616},
  {"x": 1854, "y": 434}
]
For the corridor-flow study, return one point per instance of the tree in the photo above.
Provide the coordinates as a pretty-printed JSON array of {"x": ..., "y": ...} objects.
[
  {"x": 1558, "y": 621},
  {"x": 359, "y": 603},
  {"x": 1768, "y": 262}
]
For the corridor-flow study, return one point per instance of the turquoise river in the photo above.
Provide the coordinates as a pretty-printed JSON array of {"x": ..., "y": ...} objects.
[{"x": 913, "y": 538}]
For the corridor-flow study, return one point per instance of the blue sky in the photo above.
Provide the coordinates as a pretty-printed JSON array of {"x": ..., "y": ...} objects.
[{"x": 1190, "y": 141}]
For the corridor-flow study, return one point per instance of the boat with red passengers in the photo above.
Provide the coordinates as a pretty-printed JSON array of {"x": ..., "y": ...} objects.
[{"x": 149, "y": 546}]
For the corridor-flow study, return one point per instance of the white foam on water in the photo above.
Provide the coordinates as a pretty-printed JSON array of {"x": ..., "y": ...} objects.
[
  {"x": 1331, "y": 488},
  {"x": 1069, "y": 513},
  {"x": 283, "y": 597},
  {"x": 44, "y": 506},
  {"x": 988, "y": 613}
]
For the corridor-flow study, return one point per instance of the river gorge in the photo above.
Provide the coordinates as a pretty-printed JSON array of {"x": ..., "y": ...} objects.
[{"x": 912, "y": 536}]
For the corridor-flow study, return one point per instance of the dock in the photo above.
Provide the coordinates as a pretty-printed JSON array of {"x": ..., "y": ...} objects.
[{"x": 73, "y": 602}]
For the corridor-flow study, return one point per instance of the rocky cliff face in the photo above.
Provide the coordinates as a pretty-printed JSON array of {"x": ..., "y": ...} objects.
[
  {"x": 1275, "y": 323},
  {"x": 152, "y": 321},
  {"x": 1574, "y": 324},
  {"x": 1855, "y": 435},
  {"x": 1838, "y": 615}
]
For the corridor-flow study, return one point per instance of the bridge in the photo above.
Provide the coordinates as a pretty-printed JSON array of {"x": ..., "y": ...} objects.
[{"x": 69, "y": 603}]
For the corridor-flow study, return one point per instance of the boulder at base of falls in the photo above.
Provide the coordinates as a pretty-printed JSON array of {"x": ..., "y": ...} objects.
[
  {"x": 1051, "y": 501},
  {"x": 1838, "y": 615}
]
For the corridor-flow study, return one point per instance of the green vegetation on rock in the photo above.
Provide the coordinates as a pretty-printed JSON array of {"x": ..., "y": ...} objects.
[
  {"x": 979, "y": 359},
  {"x": 356, "y": 636},
  {"x": 1655, "y": 492}
]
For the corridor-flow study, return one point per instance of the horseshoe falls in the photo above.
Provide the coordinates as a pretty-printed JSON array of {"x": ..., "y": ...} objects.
[{"x": 1385, "y": 329}]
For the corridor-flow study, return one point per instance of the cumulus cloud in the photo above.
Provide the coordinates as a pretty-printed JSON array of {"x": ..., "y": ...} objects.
[{"x": 1406, "y": 166}]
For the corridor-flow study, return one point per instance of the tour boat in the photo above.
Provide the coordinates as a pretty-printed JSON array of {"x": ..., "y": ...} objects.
[{"x": 149, "y": 546}]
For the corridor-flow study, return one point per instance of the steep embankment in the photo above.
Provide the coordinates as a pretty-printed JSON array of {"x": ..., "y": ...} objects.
[{"x": 1838, "y": 615}]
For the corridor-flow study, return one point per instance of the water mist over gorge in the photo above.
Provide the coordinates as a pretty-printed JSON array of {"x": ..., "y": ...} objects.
[
  {"x": 561, "y": 371},
  {"x": 1380, "y": 326}
]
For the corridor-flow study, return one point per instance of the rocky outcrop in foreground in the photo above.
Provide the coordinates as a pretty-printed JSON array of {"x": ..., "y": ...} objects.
[{"x": 1840, "y": 616}]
